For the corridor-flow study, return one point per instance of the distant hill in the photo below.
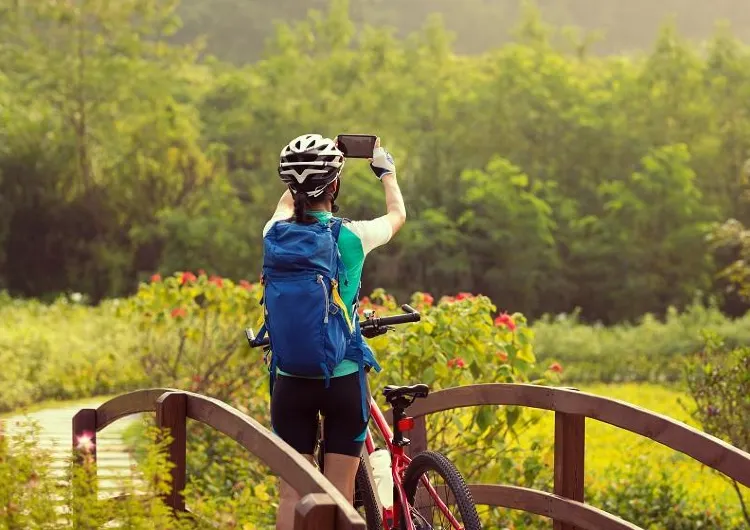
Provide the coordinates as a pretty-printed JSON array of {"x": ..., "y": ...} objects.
[{"x": 237, "y": 29}]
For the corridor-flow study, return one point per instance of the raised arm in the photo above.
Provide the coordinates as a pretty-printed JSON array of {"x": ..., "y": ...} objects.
[
  {"x": 394, "y": 202},
  {"x": 285, "y": 207},
  {"x": 385, "y": 169}
]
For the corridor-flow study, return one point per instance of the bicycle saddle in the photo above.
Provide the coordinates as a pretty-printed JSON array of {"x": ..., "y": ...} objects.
[{"x": 416, "y": 391}]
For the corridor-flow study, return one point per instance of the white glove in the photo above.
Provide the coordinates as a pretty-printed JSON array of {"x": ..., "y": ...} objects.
[{"x": 382, "y": 163}]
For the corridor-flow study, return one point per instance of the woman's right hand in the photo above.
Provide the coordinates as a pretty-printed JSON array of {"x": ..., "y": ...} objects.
[{"x": 382, "y": 162}]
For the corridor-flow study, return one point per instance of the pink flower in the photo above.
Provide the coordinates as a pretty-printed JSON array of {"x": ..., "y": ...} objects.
[
  {"x": 464, "y": 296},
  {"x": 156, "y": 278},
  {"x": 428, "y": 299},
  {"x": 246, "y": 285},
  {"x": 502, "y": 356},
  {"x": 217, "y": 280},
  {"x": 179, "y": 312}
]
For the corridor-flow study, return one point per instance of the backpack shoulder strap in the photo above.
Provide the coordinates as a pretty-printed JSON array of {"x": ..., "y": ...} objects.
[{"x": 335, "y": 225}]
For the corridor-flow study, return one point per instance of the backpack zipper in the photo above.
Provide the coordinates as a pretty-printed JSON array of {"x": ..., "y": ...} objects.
[{"x": 325, "y": 294}]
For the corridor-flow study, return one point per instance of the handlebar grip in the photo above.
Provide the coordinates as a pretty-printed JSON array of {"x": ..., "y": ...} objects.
[
  {"x": 400, "y": 319},
  {"x": 250, "y": 334},
  {"x": 406, "y": 308}
]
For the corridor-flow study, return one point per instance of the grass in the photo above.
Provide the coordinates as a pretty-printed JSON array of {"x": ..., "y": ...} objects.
[{"x": 610, "y": 446}]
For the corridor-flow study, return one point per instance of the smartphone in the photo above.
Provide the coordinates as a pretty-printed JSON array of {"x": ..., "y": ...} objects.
[{"x": 356, "y": 145}]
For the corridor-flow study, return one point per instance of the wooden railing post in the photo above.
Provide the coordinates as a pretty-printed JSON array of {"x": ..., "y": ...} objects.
[
  {"x": 171, "y": 414},
  {"x": 418, "y": 436},
  {"x": 84, "y": 481},
  {"x": 315, "y": 511},
  {"x": 570, "y": 432},
  {"x": 84, "y": 434}
]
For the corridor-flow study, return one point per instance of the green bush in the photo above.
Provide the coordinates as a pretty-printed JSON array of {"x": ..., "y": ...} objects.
[
  {"x": 718, "y": 380},
  {"x": 64, "y": 350},
  {"x": 651, "y": 350},
  {"x": 32, "y": 498},
  {"x": 653, "y": 500}
]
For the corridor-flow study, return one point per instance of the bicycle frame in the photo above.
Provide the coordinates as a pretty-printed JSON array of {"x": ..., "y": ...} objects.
[{"x": 399, "y": 462}]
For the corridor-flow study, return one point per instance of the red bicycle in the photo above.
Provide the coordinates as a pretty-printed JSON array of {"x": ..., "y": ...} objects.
[{"x": 416, "y": 502}]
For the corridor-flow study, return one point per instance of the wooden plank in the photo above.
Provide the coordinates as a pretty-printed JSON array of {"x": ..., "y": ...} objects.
[
  {"x": 418, "y": 437},
  {"x": 127, "y": 404},
  {"x": 707, "y": 449},
  {"x": 570, "y": 431},
  {"x": 274, "y": 452},
  {"x": 315, "y": 511},
  {"x": 171, "y": 414},
  {"x": 548, "y": 505},
  {"x": 84, "y": 433}
]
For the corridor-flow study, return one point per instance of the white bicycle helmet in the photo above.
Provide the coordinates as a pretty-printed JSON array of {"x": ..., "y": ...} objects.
[{"x": 309, "y": 163}]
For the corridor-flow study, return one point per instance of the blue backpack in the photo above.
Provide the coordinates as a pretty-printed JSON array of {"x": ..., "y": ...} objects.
[{"x": 308, "y": 323}]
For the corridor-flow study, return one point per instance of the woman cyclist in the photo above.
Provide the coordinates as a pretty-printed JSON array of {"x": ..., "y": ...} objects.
[{"x": 311, "y": 165}]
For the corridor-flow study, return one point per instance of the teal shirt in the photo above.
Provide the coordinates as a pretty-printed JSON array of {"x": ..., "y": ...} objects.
[{"x": 356, "y": 240}]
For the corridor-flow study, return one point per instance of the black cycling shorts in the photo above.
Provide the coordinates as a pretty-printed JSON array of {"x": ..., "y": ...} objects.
[{"x": 296, "y": 402}]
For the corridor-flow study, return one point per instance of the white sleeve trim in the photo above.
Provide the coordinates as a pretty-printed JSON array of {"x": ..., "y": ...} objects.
[{"x": 372, "y": 234}]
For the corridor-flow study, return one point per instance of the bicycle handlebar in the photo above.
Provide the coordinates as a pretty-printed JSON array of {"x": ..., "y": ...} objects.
[{"x": 370, "y": 327}]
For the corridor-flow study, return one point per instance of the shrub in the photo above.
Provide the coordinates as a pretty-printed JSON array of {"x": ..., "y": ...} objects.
[
  {"x": 652, "y": 499},
  {"x": 31, "y": 497},
  {"x": 718, "y": 380},
  {"x": 651, "y": 350},
  {"x": 64, "y": 350}
]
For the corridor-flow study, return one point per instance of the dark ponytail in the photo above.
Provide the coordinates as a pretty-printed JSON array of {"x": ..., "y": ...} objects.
[{"x": 300, "y": 205}]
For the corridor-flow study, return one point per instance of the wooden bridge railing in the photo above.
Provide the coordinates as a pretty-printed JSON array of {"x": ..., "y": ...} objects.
[
  {"x": 566, "y": 505},
  {"x": 321, "y": 506}
]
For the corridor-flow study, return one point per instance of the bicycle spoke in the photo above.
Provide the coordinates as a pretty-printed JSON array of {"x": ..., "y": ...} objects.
[{"x": 435, "y": 505}]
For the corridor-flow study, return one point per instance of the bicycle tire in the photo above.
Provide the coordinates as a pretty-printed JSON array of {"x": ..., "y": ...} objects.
[
  {"x": 364, "y": 497},
  {"x": 434, "y": 461}
]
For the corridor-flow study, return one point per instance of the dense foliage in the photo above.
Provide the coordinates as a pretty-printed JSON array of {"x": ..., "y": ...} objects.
[
  {"x": 184, "y": 330},
  {"x": 236, "y": 30},
  {"x": 544, "y": 179}
]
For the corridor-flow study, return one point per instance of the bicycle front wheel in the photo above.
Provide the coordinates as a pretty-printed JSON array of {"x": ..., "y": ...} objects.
[{"x": 448, "y": 484}]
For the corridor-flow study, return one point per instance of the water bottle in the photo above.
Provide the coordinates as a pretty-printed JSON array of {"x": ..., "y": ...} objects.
[{"x": 380, "y": 459}]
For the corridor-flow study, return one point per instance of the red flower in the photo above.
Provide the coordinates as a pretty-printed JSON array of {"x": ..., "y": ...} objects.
[
  {"x": 156, "y": 278},
  {"x": 246, "y": 285},
  {"x": 458, "y": 362},
  {"x": 464, "y": 296},
  {"x": 201, "y": 272},
  {"x": 555, "y": 367},
  {"x": 448, "y": 299},
  {"x": 187, "y": 277},
  {"x": 365, "y": 301},
  {"x": 428, "y": 299},
  {"x": 502, "y": 356},
  {"x": 216, "y": 280},
  {"x": 505, "y": 320},
  {"x": 197, "y": 378},
  {"x": 179, "y": 312}
]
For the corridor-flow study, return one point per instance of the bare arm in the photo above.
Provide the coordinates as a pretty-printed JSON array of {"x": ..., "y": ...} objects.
[
  {"x": 285, "y": 207},
  {"x": 394, "y": 202}
]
